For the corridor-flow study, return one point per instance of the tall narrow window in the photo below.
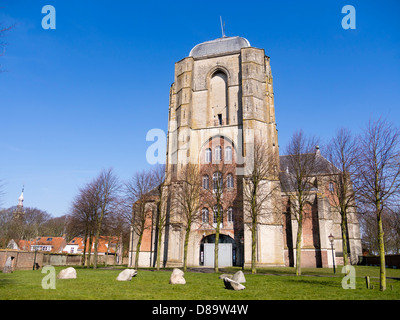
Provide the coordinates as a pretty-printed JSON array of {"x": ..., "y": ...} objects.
[
  {"x": 208, "y": 155},
  {"x": 204, "y": 215},
  {"x": 228, "y": 154},
  {"x": 206, "y": 182},
  {"x": 229, "y": 181},
  {"x": 217, "y": 182},
  {"x": 215, "y": 216},
  {"x": 230, "y": 214},
  {"x": 218, "y": 153},
  {"x": 218, "y": 101}
]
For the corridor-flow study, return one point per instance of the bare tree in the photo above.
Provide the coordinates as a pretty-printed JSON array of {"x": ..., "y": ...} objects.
[
  {"x": 82, "y": 218},
  {"x": 7, "y": 231},
  {"x": 118, "y": 224},
  {"x": 378, "y": 176},
  {"x": 55, "y": 226},
  {"x": 187, "y": 201},
  {"x": 260, "y": 190},
  {"x": 26, "y": 226},
  {"x": 107, "y": 186},
  {"x": 391, "y": 226},
  {"x": 301, "y": 164},
  {"x": 343, "y": 154},
  {"x": 161, "y": 215},
  {"x": 140, "y": 195}
]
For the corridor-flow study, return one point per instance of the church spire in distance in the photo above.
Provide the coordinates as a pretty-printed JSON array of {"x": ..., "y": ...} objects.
[
  {"x": 21, "y": 199},
  {"x": 20, "y": 207}
]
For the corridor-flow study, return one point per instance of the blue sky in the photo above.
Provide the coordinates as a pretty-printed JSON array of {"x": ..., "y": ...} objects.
[{"x": 82, "y": 97}]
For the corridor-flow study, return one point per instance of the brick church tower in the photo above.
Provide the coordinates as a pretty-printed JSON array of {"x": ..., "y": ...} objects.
[{"x": 221, "y": 102}]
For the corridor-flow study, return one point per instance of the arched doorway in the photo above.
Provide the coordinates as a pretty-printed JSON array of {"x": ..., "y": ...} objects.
[{"x": 226, "y": 251}]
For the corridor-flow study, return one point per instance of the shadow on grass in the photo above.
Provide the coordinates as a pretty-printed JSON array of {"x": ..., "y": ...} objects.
[{"x": 6, "y": 282}]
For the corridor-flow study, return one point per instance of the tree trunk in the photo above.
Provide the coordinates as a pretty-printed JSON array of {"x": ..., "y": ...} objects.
[
  {"x": 185, "y": 247},
  {"x": 138, "y": 249},
  {"x": 96, "y": 244},
  {"x": 159, "y": 239},
  {"x": 90, "y": 249},
  {"x": 344, "y": 239},
  {"x": 84, "y": 247},
  {"x": 108, "y": 245},
  {"x": 298, "y": 245},
  {"x": 217, "y": 241},
  {"x": 253, "y": 245},
  {"x": 382, "y": 273}
]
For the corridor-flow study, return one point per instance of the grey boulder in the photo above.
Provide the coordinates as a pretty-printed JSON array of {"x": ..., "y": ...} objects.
[
  {"x": 238, "y": 277},
  {"x": 233, "y": 285}
]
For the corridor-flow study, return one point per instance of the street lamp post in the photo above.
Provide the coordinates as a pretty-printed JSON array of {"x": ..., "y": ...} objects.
[{"x": 331, "y": 239}]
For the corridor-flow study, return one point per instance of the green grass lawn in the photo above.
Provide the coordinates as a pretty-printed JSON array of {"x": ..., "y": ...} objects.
[{"x": 268, "y": 284}]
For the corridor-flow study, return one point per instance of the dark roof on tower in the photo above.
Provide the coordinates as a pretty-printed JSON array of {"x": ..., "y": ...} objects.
[{"x": 219, "y": 46}]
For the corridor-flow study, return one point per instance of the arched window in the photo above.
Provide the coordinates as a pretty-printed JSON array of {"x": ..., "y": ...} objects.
[
  {"x": 208, "y": 155},
  {"x": 218, "y": 153},
  {"x": 204, "y": 215},
  {"x": 229, "y": 181},
  {"x": 218, "y": 98},
  {"x": 206, "y": 182},
  {"x": 217, "y": 182},
  {"x": 230, "y": 214},
  {"x": 228, "y": 154}
]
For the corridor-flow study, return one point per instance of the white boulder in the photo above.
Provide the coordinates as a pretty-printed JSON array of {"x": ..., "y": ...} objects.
[
  {"x": 127, "y": 275},
  {"x": 177, "y": 277},
  {"x": 69, "y": 273}
]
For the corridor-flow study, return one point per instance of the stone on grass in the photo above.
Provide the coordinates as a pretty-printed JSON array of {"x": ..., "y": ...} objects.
[
  {"x": 69, "y": 273},
  {"x": 177, "y": 277},
  {"x": 8, "y": 266},
  {"x": 233, "y": 285},
  {"x": 126, "y": 275},
  {"x": 238, "y": 277}
]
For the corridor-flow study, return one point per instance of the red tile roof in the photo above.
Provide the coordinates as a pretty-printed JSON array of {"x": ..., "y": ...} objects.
[
  {"x": 56, "y": 243},
  {"x": 103, "y": 241}
]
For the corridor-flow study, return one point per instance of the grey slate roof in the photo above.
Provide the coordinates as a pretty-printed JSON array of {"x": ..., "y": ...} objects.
[
  {"x": 322, "y": 167},
  {"x": 218, "y": 46}
]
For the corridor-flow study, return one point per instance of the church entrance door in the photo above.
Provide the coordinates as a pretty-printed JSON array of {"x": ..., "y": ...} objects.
[{"x": 224, "y": 254}]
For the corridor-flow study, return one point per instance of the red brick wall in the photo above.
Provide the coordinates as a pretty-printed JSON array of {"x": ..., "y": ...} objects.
[{"x": 23, "y": 260}]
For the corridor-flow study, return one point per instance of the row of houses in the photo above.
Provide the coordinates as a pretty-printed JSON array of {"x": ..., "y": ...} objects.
[{"x": 106, "y": 245}]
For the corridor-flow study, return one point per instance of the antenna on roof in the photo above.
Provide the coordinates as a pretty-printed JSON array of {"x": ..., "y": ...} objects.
[{"x": 222, "y": 27}]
